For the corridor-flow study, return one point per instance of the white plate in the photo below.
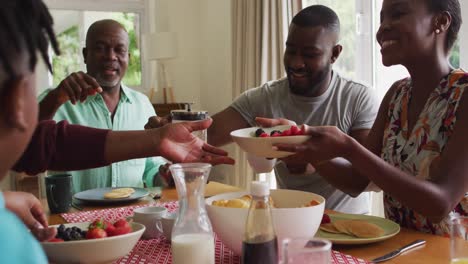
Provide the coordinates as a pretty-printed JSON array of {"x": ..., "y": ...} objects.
[{"x": 263, "y": 146}]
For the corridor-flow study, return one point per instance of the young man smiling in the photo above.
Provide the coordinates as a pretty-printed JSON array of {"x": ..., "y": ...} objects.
[{"x": 311, "y": 94}]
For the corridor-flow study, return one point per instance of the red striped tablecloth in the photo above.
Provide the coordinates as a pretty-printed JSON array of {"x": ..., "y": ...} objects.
[{"x": 159, "y": 250}]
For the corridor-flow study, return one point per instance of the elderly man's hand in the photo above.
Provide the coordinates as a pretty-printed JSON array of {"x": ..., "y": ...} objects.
[
  {"x": 76, "y": 87},
  {"x": 157, "y": 121},
  {"x": 176, "y": 143},
  {"x": 29, "y": 209}
]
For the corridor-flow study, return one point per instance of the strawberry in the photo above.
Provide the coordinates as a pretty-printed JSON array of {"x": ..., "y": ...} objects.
[
  {"x": 55, "y": 239},
  {"x": 276, "y": 134},
  {"x": 294, "y": 130},
  {"x": 325, "y": 219},
  {"x": 96, "y": 233},
  {"x": 109, "y": 228},
  {"x": 264, "y": 134},
  {"x": 121, "y": 231},
  {"x": 98, "y": 223},
  {"x": 301, "y": 131},
  {"x": 121, "y": 223},
  {"x": 121, "y": 227},
  {"x": 91, "y": 91},
  {"x": 286, "y": 133}
]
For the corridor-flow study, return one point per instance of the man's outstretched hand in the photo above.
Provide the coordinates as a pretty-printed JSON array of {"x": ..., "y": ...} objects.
[{"x": 177, "y": 144}]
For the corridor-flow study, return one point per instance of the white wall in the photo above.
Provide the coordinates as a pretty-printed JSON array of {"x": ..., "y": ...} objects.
[
  {"x": 216, "y": 67},
  {"x": 184, "y": 71},
  {"x": 202, "y": 71}
]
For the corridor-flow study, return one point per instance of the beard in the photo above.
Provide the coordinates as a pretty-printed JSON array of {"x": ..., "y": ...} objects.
[
  {"x": 312, "y": 84},
  {"x": 107, "y": 83}
]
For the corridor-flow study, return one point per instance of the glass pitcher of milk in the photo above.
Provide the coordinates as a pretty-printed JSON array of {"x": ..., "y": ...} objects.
[{"x": 192, "y": 234}]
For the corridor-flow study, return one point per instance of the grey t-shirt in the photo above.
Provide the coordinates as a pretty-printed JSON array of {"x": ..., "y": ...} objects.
[{"x": 345, "y": 104}]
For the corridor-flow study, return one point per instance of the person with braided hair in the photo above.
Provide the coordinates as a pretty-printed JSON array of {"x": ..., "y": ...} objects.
[{"x": 26, "y": 145}]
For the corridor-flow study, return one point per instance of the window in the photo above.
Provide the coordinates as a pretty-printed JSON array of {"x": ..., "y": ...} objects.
[
  {"x": 361, "y": 59},
  {"x": 355, "y": 61},
  {"x": 455, "y": 56},
  {"x": 386, "y": 76},
  {"x": 71, "y": 27},
  {"x": 346, "y": 11},
  {"x": 71, "y": 21}
]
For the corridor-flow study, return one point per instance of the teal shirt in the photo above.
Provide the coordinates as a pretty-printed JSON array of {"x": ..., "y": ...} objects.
[
  {"x": 17, "y": 245},
  {"x": 133, "y": 111}
]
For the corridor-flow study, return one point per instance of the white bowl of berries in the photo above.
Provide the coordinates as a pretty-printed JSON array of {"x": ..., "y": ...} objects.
[
  {"x": 96, "y": 242},
  {"x": 259, "y": 141}
]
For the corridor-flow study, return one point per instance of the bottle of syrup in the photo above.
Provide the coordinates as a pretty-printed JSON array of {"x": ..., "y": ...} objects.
[{"x": 259, "y": 245}]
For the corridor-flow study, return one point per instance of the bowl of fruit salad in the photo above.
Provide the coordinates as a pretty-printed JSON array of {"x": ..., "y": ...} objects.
[
  {"x": 259, "y": 141},
  {"x": 93, "y": 242}
]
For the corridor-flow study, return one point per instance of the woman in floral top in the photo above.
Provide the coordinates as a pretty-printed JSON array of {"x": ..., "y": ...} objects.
[{"x": 417, "y": 151}]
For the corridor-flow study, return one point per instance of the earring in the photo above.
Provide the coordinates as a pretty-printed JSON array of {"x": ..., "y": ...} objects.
[{"x": 437, "y": 31}]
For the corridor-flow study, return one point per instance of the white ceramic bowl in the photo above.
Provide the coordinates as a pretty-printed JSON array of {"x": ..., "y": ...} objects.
[
  {"x": 289, "y": 218},
  {"x": 102, "y": 250},
  {"x": 262, "y": 147}
]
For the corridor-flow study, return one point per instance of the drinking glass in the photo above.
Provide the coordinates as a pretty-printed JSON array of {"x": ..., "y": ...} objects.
[
  {"x": 306, "y": 250},
  {"x": 191, "y": 116},
  {"x": 459, "y": 240}
]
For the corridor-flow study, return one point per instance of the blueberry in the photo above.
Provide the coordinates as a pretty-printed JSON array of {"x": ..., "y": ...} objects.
[
  {"x": 66, "y": 237},
  {"x": 275, "y": 132},
  {"x": 74, "y": 235},
  {"x": 258, "y": 132},
  {"x": 61, "y": 228}
]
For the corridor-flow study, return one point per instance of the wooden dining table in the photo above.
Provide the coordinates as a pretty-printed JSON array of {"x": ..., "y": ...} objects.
[{"x": 435, "y": 251}]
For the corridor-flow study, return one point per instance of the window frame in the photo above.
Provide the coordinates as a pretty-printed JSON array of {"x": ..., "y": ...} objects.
[{"x": 131, "y": 6}]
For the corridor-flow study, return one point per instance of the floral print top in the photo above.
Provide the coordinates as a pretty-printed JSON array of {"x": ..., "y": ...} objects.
[{"x": 417, "y": 152}]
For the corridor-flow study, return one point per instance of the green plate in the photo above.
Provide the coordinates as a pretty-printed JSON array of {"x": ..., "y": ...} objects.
[{"x": 391, "y": 228}]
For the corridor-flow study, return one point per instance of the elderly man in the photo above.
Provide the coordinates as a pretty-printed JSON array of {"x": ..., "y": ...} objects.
[
  {"x": 312, "y": 94},
  {"x": 99, "y": 99}
]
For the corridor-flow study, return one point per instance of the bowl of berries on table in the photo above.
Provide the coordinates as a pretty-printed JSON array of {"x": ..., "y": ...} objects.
[
  {"x": 259, "y": 141},
  {"x": 93, "y": 242}
]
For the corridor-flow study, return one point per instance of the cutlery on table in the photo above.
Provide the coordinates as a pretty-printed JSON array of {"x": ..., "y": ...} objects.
[
  {"x": 154, "y": 192},
  {"x": 397, "y": 252}
]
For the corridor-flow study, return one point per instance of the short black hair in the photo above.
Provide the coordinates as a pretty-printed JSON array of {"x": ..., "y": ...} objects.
[
  {"x": 317, "y": 15},
  {"x": 25, "y": 26},
  {"x": 453, "y": 8}
]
